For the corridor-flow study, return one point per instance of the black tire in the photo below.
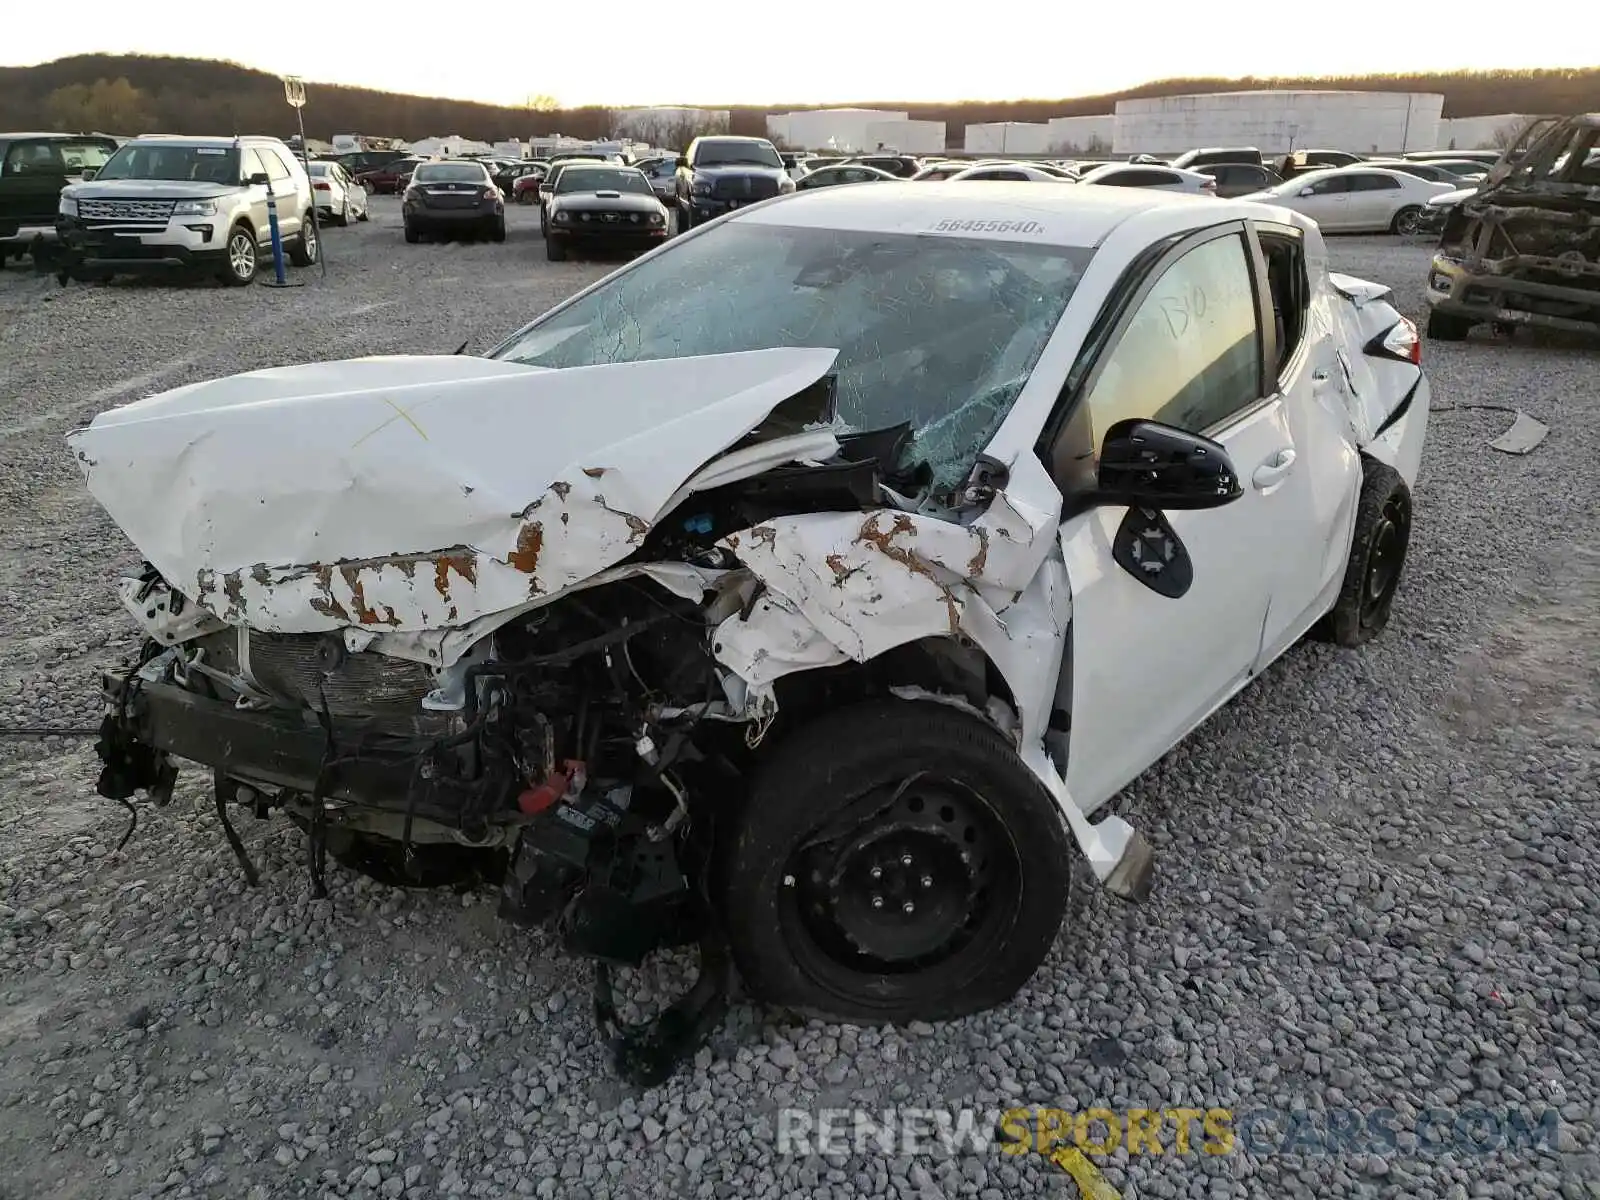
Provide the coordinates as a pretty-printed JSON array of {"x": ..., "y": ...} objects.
[
  {"x": 555, "y": 249},
  {"x": 1443, "y": 327},
  {"x": 1407, "y": 222},
  {"x": 365, "y": 215},
  {"x": 307, "y": 248},
  {"x": 544, "y": 223},
  {"x": 1377, "y": 560},
  {"x": 343, "y": 219},
  {"x": 498, "y": 233},
  {"x": 412, "y": 235},
  {"x": 921, "y": 781},
  {"x": 241, "y": 246}
]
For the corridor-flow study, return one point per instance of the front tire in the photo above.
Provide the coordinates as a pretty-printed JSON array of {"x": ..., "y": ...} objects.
[
  {"x": 1407, "y": 222},
  {"x": 894, "y": 861},
  {"x": 1377, "y": 560},
  {"x": 555, "y": 249},
  {"x": 305, "y": 249},
  {"x": 412, "y": 235},
  {"x": 1443, "y": 327},
  {"x": 242, "y": 260}
]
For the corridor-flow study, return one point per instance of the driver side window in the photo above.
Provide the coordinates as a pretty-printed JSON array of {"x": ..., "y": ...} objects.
[{"x": 1191, "y": 355}]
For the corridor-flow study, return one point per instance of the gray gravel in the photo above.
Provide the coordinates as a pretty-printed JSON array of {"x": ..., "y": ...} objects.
[{"x": 1376, "y": 883}]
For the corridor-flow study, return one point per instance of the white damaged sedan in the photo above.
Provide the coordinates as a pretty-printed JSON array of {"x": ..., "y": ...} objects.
[{"x": 795, "y": 591}]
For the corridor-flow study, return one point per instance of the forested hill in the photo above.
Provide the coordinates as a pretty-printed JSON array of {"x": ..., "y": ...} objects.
[{"x": 133, "y": 94}]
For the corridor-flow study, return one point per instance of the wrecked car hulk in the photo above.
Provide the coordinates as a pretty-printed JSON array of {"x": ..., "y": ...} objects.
[
  {"x": 1524, "y": 249},
  {"x": 799, "y": 592}
]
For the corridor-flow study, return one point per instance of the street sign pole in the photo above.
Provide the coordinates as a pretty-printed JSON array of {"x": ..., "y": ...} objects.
[{"x": 294, "y": 91}]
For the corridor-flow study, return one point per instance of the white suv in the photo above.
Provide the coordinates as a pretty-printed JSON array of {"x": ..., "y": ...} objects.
[{"x": 163, "y": 202}]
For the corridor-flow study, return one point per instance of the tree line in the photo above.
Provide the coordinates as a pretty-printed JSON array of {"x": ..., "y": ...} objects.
[{"x": 131, "y": 94}]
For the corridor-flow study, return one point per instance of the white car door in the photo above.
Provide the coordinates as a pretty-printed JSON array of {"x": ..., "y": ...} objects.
[
  {"x": 1325, "y": 201},
  {"x": 1374, "y": 199},
  {"x": 1143, "y": 667}
]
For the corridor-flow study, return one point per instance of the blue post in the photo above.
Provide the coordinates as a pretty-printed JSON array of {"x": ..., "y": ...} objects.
[{"x": 277, "y": 238}]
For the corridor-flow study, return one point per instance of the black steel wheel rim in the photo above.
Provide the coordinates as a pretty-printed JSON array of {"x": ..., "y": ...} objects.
[
  {"x": 1386, "y": 555},
  {"x": 924, "y": 878}
]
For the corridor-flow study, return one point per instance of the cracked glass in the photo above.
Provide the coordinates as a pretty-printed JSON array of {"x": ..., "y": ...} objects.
[{"x": 938, "y": 331}]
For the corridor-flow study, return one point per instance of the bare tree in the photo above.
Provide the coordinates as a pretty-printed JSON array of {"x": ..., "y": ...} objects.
[{"x": 667, "y": 130}]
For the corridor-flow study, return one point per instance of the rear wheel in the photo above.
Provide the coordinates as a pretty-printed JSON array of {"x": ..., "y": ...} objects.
[
  {"x": 895, "y": 860},
  {"x": 1407, "y": 222},
  {"x": 305, "y": 249},
  {"x": 343, "y": 218},
  {"x": 243, "y": 258},
  {"x": 1443, "y": 327},
  {"x": 498, "y": 233},
  {"x": 1377, "y": 559}
]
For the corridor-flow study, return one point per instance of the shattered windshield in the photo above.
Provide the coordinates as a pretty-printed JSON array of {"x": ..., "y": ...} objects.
[{"x": 938, "y": 331}]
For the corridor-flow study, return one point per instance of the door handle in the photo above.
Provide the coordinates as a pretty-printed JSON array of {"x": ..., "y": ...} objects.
[{"x": 1274, "y": 469}]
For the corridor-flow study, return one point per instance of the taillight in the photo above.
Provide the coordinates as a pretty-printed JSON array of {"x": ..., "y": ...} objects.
[
  {"x": 1402, "y": 342},
  {"x": 491, "y": 193},
  {"x": 321, "y": 187}
]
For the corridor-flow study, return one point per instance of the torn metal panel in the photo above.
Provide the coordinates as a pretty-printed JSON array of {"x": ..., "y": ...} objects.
[
  {"x": 1523, "y": 437},
  {"x": 409, "y": 494}
]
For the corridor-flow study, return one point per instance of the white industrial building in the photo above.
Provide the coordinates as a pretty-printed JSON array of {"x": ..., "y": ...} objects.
[
  {"x": 1007, "y": 137},
  {"x": 905, "y": 137},
  {"x": 665, "y": 123},
  {"x": 1082, "y": 135},
  {"x": 1479, "y": 133},
  {"x": 1277, "y": 122},
  {"x": 451, "y": 146},
  {"x": 843, "y": 129}
]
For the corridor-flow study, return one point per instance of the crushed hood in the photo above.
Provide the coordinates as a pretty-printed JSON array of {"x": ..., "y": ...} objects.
[{"x": 414, "y": 493}]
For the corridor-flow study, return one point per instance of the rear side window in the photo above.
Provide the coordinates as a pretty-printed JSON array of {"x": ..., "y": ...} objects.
[
  {"x": 276, "y": 168},
  {"x": 1330, "y": 186},
  {"x": 84, "y": 155},
  {"x": 1373, "y": 183},
  {"x": 35, "y": 157}
]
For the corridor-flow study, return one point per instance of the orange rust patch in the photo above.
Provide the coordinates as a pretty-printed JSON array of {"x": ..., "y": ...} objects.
[
  {"x": 980, "y": 558},
  {"x": 365, "y": 613},
  {"x": 594, "y": 472},
  {"x": 530, "y": 540},
  {"x": 883, "y": 541}
]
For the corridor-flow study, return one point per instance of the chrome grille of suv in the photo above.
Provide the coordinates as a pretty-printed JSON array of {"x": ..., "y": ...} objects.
[
  {"x": 745, "y": 187},
  {"x": 142, "y": 211}
]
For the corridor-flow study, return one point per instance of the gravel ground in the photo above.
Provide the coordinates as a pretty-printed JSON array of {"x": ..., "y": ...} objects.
[{"x": 1375, "y": 885}]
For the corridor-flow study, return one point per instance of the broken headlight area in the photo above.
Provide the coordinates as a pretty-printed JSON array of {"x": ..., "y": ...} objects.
[{"x": 581, "y": 773}]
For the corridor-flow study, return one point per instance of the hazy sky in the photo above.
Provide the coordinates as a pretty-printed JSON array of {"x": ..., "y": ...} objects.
[{"x": 819, "y": 51}]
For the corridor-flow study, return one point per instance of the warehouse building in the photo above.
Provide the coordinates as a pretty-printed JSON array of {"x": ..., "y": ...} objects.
[
  {"x": 1479, "y": 133},
  {"x": 843, "y": 129},
  {"x": 1007, "y": 137},
  {"x": 1280, "y": 121},
  {"x": 1082, "y": 135}
]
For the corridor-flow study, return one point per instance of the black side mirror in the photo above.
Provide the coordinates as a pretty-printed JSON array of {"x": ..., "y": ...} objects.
[
  {"x": 259, "y": 179},
  {"x": 683, "y": 161},
  {"x": 1150, "y": 465}
]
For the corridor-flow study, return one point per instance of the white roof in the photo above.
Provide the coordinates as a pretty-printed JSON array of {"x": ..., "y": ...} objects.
[{"x": 1068, "y": 215}]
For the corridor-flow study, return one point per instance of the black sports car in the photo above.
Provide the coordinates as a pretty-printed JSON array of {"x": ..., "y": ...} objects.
[{"x": 602, "y": 207}]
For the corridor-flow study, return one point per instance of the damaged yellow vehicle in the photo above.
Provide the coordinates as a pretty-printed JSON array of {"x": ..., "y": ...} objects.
[{"x": 1524, "y": 248}]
